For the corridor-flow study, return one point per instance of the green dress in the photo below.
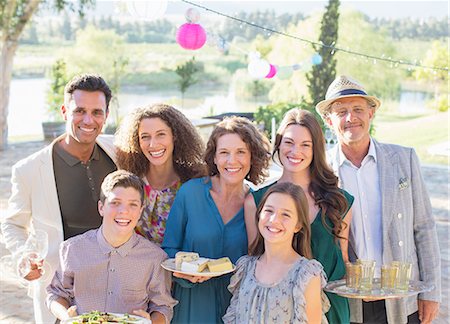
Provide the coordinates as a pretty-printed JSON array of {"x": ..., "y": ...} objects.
[{"x": 328, "y": 253}]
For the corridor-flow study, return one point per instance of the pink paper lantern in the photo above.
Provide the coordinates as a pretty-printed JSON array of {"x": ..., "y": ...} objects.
[
  {"x": 272, "y": 72},
  {"x": 191, "y": 36}
]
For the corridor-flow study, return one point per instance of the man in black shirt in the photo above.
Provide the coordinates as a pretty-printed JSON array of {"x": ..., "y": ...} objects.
[{"x": 57, "y": 189}]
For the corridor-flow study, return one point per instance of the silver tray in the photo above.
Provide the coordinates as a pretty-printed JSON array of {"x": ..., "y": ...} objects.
[{"x": 415, "y": 287}]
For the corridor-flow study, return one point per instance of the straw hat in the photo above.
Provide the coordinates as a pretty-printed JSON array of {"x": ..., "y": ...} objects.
[{"x": 344, "y": 87}]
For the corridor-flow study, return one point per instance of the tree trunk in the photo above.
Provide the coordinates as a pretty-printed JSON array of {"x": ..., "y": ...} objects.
[
  {"x": 6, "y": 62},
  {"x": 14, "y": 16}
]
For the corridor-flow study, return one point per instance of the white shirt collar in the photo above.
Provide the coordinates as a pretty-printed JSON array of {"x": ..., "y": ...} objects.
[{"x": 371, "y": 153}]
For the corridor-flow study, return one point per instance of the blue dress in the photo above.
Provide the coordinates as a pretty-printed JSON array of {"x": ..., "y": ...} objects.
[{"x": 195, "y": 224}]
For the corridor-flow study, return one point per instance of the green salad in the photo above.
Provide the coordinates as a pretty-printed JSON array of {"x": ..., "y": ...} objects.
[{"x": 96, "y": 317}]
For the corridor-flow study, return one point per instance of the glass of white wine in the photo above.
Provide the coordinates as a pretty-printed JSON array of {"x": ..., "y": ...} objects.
[{"x": 35, "y": 251}]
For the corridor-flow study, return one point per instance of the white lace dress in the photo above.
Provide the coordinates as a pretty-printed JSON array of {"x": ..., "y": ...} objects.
[{"x": 282, "y": 302}]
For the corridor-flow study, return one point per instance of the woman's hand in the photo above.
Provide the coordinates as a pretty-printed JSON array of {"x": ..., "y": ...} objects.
[{"x": 193, "y": 279}]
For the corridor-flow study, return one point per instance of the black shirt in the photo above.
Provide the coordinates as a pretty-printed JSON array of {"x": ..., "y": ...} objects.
[{"x": 78, "y": 187}]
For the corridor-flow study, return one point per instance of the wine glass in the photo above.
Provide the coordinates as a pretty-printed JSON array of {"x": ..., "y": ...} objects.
[{"x": 35, "y": 251}]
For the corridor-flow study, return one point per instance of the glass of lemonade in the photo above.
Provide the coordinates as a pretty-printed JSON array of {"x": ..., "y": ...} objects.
[
  {"x": 353, "y": 278},
  {"x": 389, "y": 275},
  {"x": 404, "y": 274},
  {"x": 367, "y": 271}
]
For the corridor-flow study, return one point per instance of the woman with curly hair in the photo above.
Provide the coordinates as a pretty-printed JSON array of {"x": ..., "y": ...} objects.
[
  {"x": 207, "y": 216},
  {"x": 300, "y": 149},
  {"x": 162, "y": 146}
]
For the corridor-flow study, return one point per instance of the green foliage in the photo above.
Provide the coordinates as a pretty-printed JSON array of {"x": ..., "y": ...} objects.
[
  {"x": 440, "y": 102},
  {"x": 248, "y": 88},
  {"x": 187, "y": 72},
  {"x": 437, "y": 55},
  {"x": 379, "y": 78},
  {"x": 101, "y": 52},
  {"x": 264, "y": 114},
  {"x": 323, "y": 74},
  {"x": 270, "y": 18},
  {"x": 67, "y": 28},
  {"x": 423, "y": 28},
  {"x": 55, "y": 94},
  {"x": 97, "y": 51}
]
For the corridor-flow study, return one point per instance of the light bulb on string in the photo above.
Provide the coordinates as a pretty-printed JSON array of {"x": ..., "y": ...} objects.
[{"x": 257, "y": 68}]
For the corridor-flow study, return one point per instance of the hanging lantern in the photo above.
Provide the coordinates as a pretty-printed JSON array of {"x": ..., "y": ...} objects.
[
  {"x": 258, "y": 68},
  {"x": 147, "y": 10},
  {"x": 272, "y": 71},
  {"x": 191, "y": 35},
  {"x": 192, "y": 15},
  {"x": 316, "y": 59}
]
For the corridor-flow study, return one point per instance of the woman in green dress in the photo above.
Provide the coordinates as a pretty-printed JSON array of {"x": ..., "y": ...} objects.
[{"x": 300, "y": 149}]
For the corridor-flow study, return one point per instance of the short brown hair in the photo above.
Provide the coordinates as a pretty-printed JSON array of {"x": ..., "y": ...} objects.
[
  {"x": 87, "y": 82},
  {"x": 257, "y": 143},
  {"x": 124, "y": 179}
]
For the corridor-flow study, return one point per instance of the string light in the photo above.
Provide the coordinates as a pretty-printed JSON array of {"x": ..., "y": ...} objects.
[{"x": 333, "y": 48}]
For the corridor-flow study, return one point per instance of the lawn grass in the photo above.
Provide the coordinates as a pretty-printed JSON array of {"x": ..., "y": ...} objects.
[{"x": 417, "y": 131}]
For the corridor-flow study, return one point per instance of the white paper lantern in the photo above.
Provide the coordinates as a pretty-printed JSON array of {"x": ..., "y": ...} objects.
[
  {"x": 258, "y": 68},
  {"x": 147, "y": 9}
]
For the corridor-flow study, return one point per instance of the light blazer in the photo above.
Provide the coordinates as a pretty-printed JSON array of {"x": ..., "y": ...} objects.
[
  {"x": 409, "y": 231},
  {"x": 34, "y": 203}
]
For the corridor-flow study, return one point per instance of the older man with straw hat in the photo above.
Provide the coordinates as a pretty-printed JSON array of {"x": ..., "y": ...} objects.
[{"x": 392, "y": 217}]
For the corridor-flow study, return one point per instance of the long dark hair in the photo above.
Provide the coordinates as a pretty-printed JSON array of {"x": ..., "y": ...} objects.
[
  {"x": 324, "y": 183},
  {"x": 301, "y": 241}
]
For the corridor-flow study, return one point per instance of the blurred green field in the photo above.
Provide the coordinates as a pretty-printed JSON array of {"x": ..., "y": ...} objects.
[{"x": 417, "y": 131}]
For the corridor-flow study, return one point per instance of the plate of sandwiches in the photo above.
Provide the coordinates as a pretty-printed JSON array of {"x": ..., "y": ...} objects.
[
  {"x": 190, "y": 263},
  {"x": 96, "y": 317}
]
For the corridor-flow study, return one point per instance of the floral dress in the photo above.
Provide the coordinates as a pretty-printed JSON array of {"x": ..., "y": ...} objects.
[{"x": 152, "y": 223}]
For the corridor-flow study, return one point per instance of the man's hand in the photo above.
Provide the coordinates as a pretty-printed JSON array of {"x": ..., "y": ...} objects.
[
  {"x": 28, "y": 268},
  {"x": 72, "y": 311},
  {"x": 428, "y": 310}
]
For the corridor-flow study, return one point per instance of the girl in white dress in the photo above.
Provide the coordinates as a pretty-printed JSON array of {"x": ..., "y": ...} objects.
[{"x": 278, "y": 282}]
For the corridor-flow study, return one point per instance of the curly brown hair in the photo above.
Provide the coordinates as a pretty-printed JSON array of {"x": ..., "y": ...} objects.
[
  {"x": 188, "y": 146},
  {"x": 257, "y": 143},
  {"x": 301, "y": 242},
  {"x": 324, "y": 183}
]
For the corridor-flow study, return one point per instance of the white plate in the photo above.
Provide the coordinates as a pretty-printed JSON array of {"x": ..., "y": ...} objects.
[
  {"x": 169, "y": 264},
  {"x": 134, "y": 319}
]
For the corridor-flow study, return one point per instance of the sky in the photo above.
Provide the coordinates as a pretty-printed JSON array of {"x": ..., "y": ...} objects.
[
  {"x": 380, "y": 8},
  {"x": 384, "y": 8}
]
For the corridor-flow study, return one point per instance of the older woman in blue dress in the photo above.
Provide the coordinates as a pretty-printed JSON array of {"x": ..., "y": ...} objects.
[{"x": 207, "y": 216}]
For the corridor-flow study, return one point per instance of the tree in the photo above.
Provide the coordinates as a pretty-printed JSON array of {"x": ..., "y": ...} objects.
[
  {"x": 102, "y": 52},
  {"x": 14, "y": 16},
  {"x": 187, "y": 71},
  {"x": 323, "y": 74},
  {"x": 437, "y": 55},
  {"x": 67, "y": 27},
  {"x": 55, "y": 93}
]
